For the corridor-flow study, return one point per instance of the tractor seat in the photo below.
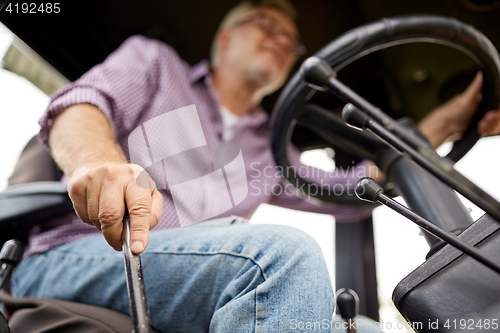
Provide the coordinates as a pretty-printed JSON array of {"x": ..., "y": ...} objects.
[{"x": 36, "y": 315}]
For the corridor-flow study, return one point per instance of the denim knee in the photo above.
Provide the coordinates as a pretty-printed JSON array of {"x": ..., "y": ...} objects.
[
  {"x": 286, "y": 245},
  {"x": 294, "y": 240}
]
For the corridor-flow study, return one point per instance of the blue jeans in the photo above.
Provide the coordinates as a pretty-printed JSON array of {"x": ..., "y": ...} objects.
[{"x": 223, "y": 275}]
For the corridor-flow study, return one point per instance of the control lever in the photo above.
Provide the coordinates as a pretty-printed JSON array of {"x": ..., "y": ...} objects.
[
  {"x": 136, "y": 289},
  {"x": 348, "y": 305},
  {"x": 10, "y": 256},
  {"x": 368, "y": 190}
]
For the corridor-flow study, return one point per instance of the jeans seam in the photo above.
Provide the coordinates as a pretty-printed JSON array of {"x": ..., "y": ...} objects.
[
  {"x": 62, "y": 253},
  {"x": 211, "y": 254},
  {"x": 255, "y": 304}
]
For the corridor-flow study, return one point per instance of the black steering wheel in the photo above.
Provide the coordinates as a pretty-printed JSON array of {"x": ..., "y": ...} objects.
[{"x": 292, "y": 105}]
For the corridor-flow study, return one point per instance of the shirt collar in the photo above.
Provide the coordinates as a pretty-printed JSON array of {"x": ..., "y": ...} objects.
[
  {"x": 202, "y": 71},
  {"x": 256, "y": 118},
  {"x": 199, "y": 71}
]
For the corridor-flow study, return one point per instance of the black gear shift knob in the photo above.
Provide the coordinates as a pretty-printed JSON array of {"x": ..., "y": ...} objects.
[
  {"x": 316, "y": 72},
  {"x": 367, "y": 189},
  {"x": 348, "y": 303},
  {"x": 354, "y": 117},
  {"x": 12, "y": 252}
]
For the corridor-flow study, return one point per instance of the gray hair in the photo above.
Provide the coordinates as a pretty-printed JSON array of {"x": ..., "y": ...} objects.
[{"x": 242, "y": 10}]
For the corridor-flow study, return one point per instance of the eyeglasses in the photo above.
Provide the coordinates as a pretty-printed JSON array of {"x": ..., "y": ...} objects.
[{"x": 272, "y": 28}]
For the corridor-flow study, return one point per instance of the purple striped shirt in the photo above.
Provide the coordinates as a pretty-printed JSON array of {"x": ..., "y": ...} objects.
[{"x": 144, "y": 79}]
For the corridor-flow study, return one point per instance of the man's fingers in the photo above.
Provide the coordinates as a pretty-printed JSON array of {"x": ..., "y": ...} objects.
[
  {"x": 156, "y": 208},
  {"x": 474, "y": 87},
  {"x": 139, "y": 208},
  {"x": 490, "y": 124},
  {"x": 94, "y": 184},
  {"x": 77, "y": 191},
  {"x": 479, "y": 97},
  {"x": 111, "y": 212}
]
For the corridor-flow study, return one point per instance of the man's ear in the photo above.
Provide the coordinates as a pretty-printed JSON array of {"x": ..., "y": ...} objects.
[{"x": 223, "y": 38}]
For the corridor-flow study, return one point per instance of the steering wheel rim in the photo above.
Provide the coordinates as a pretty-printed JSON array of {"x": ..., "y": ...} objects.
[{"x": 369, "y": 38}]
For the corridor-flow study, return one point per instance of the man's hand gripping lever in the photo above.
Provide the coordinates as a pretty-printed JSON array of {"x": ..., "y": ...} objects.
[{"x": 121, "y": 200}]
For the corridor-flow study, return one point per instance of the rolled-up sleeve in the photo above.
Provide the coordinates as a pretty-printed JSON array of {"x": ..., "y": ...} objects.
[{"x": 120, "y": 87}]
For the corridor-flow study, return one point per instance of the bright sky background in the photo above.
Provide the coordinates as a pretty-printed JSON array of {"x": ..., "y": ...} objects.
[{"x": 399, "y": 248}]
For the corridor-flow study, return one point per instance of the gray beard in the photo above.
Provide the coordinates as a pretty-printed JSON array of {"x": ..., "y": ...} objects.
[
  {"x": 260, "y": 76},
  {"x": 258, "y": 72}
]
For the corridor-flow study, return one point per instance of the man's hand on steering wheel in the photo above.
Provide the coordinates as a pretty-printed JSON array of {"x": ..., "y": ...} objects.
[{"x": 449, "y": 121}]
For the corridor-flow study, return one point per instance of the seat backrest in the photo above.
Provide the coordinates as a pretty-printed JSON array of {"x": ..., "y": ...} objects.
[
  {"x": 25, "y": 205},
  {"x": 35, "y": 165},
  {"x": 34, "y": 193}
]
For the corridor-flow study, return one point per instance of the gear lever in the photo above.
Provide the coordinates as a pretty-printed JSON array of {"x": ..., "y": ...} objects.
[
  {"x": 368, "y": 190},
  {"x": 10, "y": 255},
  {"x": 135, "y": 283},
  {"x": 348, "y": 305}
]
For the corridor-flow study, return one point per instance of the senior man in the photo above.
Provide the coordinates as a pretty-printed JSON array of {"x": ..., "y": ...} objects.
[{"x": 223, "y": 275}]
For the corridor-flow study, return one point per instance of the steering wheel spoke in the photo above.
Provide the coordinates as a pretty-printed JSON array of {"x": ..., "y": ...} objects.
[{"x": 333, "y": 129}]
